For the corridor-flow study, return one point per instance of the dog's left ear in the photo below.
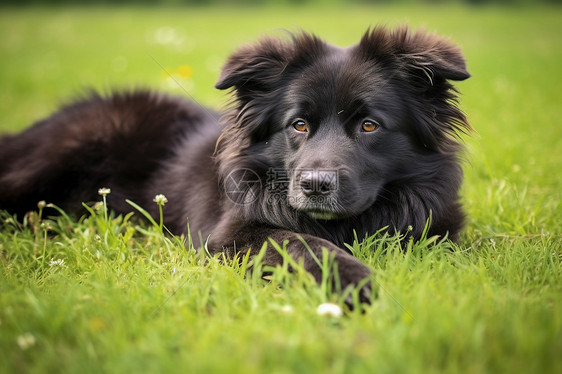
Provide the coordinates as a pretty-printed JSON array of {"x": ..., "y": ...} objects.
[
  {"x": 436, "y": 56},
  {"x": 422, "y": 54},
  {"x": 254, "y": 68}
]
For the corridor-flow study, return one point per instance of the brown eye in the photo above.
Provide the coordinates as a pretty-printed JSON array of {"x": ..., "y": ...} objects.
[
  {"x": 300, "y": 126},
  {"x": 369, "y": 126}
]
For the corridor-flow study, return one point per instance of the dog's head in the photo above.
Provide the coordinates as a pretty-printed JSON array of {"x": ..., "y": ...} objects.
[{"x": 340, "y": 125}]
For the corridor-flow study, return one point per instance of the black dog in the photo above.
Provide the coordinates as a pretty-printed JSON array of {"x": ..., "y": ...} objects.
[{"x": 319, "y": 141}]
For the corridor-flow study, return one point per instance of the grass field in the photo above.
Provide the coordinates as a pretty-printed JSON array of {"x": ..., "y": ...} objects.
[{"x": 107, "y": 295}]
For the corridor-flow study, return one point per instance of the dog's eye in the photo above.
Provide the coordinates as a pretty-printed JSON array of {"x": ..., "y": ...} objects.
[
  {"x": 300, "y": 126},
  {"x": 369, "y": 126}
]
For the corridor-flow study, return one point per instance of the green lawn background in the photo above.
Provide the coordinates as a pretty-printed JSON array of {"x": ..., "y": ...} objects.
[{"x": 495, "y": 305}]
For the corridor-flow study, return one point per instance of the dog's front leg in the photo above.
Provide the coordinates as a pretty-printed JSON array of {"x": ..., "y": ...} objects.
[{"x": 307, "y": 250}]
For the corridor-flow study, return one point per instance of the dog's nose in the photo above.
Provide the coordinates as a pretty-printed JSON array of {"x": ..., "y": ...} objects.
[{"x": 318, "y": 182}]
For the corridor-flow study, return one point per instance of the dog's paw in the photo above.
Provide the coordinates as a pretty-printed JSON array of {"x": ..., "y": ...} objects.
[
  {"x": 348, "y": 276},
  {"x": 355, "y": 281}
]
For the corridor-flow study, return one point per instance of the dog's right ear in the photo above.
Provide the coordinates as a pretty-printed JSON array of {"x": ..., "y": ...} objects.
[{"x": 255, "y": 68}]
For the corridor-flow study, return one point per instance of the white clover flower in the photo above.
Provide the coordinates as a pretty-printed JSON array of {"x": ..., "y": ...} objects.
[
  {"x": 329, "y": 309},
  {"x": 59, "y": 262},
  {"x": 287, "y": 309},
  {"x": 104, "y": 191},
  {"x": 26, "y": 341},
  {"x": 160, "y": 199}
]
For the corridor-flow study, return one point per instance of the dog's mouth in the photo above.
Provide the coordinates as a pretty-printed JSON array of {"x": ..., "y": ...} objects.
[
  {"x": 316, "y": 194},
  {"x": 323, "y": 211},
  {"x": 318, "y": 207},
  {"x": 323, "y": 215},
  {"x": 327, "y": 209}
]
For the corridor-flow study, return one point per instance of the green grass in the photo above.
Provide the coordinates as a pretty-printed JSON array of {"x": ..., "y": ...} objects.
[{"x": 108, "y": 295}]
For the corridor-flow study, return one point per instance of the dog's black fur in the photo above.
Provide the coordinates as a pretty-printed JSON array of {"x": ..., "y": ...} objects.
[{"x": 319, "y": 141}]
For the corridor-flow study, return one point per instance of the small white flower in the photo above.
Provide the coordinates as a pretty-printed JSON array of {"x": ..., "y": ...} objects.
[
  {"x": 329, "y": 309},
  {"x": 104, "y": 191},
  {"x": 42, "y": 204},
  {"x": 59, "y": 262},
  {"x": 287, "y": 309},
  {"x": 26, "y": 341},
  {"x": 160, "y": 199}
]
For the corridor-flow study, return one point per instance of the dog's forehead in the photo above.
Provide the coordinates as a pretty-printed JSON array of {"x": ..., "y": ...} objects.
[{"x": 338, "y": 78}]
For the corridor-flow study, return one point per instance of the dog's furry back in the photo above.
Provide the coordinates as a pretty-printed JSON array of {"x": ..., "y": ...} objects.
[{"x": 123, "y": 141}]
